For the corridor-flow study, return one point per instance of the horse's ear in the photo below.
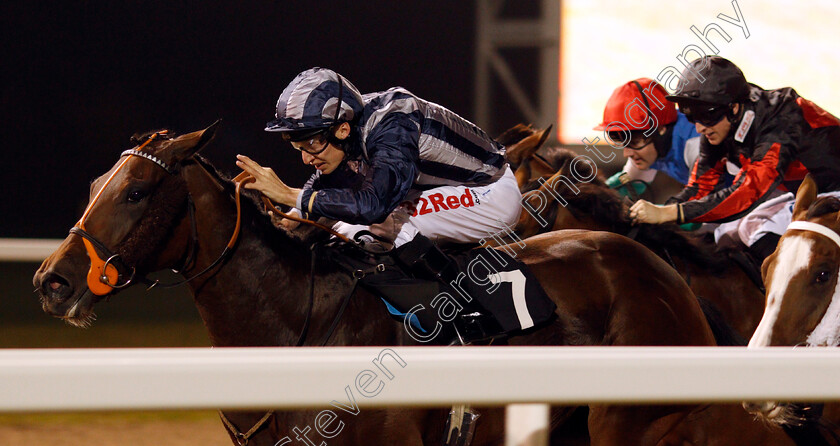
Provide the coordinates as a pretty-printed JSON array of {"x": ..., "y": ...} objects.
[
  {"x": 525, "y": 148},
  {"x": 565, "y": 169},
  {"x": 805, "y": 196},
  {"x": 188, "y": 145}
]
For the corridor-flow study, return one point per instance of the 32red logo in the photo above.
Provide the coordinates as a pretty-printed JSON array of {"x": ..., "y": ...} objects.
[{"x": 437, "y": 202}]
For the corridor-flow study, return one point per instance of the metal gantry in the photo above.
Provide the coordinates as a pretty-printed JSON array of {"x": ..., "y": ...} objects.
[{"x": 495, "y": 32}]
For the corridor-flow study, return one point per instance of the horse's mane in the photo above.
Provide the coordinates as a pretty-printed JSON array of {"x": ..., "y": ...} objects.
[
  {"x": 163, "y": 134},
  {"x": 558, "y": 158},
  {"x": 604, "y": 206},
  {"x": 823, "y": 206},
  {"x": 601, "y": 204}
]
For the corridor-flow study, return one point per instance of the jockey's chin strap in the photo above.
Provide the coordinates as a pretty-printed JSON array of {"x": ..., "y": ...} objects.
[{"x": 815, "y": 227}]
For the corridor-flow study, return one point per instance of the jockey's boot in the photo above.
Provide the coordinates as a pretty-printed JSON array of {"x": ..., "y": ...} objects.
[{"x": 424, "y": 260}]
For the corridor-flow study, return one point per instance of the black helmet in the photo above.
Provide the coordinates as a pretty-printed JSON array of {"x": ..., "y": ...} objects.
[
  {"x": 315, "y": 100},
  {"x": 713, "y": 80}
]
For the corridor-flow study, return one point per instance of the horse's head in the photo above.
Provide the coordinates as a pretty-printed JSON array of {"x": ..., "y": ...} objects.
[
  {"x": 803, "y": 299},
  {"x": 126, "y": 230},
  {"x": 522, "y": 143},
  {"x": 574, "y": 197}
]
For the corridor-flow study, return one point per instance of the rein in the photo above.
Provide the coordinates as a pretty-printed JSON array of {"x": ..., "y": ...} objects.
[
  {"x": 543, "y": 161},
  {"x": 104, "y": 275},
  {"x": 244, "y": 178}
]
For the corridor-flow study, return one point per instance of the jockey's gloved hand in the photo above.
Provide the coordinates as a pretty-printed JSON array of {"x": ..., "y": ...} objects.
[{"x": 646, "y": 212}]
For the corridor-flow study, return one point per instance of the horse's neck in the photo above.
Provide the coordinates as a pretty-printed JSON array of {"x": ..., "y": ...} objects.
[
  {"x": 255, "y": 296},
  {"x": 560, "y": 215},
  {"x": 567, "y": 220},
  {"x": 581, "y": 219}
]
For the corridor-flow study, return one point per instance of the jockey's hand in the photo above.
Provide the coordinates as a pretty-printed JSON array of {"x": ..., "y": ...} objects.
[
  {"x": 283, "y": 222},
  {"x": 646, "y": 212},
  {"x": 267, "y": 182}
]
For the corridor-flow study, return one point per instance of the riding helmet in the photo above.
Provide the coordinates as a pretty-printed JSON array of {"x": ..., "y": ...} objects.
[
  {"x": 618, "y": 110},
  {"x": 713, "y": 80},
  {"x": 315, "y": 100}
]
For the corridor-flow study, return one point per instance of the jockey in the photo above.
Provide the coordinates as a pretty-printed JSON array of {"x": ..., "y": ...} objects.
[
  {"x": 653, "y": 135},
  {"x": 771, "y": 138},
  {"x": 406, "y": 169}
]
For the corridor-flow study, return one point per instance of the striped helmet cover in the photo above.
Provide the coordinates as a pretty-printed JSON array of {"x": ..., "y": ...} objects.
[{"x": 310, "y": 101}]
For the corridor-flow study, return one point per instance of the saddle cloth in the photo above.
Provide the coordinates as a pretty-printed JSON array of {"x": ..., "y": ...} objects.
[{"x": 505, "y": 287}]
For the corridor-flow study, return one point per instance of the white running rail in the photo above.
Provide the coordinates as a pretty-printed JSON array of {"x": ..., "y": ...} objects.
[
  {"x": 193, "y": 378},
  {"x": 290, "y": 378},
  {"x": 26, "y": 249}
]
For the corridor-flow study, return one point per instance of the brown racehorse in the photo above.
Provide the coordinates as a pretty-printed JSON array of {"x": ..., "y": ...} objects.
[
  {"x": 803, "y": 297},
  {"x": 562, "y": 202},
  {"x": 522, "y": 142},
  {"x": 608, "y": 289}
]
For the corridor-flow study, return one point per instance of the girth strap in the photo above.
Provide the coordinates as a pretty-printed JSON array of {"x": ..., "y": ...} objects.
[{"x": 344, "y": 303}]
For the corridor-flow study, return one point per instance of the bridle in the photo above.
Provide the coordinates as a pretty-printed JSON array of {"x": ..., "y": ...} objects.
[
  {"x": 540, "y": 160},
  {"x": 813, "y": 430},
  {"x": 810, "y": 226},
  {"x": 105, "y": 276}
]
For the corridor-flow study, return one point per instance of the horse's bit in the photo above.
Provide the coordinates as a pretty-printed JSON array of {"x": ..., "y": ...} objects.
[{"x": 104, "y": 275}]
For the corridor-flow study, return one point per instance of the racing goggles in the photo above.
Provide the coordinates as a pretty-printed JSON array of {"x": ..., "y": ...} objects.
[
  {"x": 637, "y": 141},
  {"x": 707, "y": 115},
  {"x": 313, "y": 145}
]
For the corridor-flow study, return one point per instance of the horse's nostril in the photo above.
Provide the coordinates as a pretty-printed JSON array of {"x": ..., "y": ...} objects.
[{"x": 55, "y": 286}]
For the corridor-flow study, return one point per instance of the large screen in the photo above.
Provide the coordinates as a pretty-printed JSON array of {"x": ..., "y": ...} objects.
[{"x": 777, "y": 43}]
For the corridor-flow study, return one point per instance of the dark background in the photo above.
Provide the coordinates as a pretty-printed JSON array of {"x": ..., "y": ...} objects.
[{"x": 79, "y": 78}]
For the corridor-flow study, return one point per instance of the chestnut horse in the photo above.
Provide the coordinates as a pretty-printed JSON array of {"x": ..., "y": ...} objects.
[
  {"x": 564, "y": 202},
  {"x": 251, "y": 290},
  {"x": 803, "y": 296},
  {"x": 523, "y": 142}
]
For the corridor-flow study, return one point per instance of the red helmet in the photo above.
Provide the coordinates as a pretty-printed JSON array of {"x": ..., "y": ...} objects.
[{"x": 635, "y": 104}]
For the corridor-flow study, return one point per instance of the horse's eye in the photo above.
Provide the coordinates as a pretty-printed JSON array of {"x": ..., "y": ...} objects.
[
  {"x": 823, "y": 276},
  {"x": 136, "y": 195}
]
